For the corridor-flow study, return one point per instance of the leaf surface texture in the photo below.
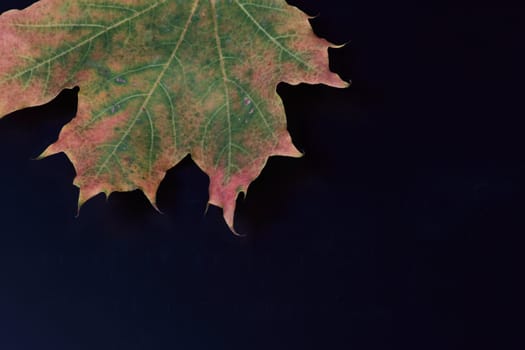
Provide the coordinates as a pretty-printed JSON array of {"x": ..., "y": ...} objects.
[{"x": 160, "y": 80}]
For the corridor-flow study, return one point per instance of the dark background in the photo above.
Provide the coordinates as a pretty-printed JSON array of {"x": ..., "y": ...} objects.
[{"x": 401, "y": 228}]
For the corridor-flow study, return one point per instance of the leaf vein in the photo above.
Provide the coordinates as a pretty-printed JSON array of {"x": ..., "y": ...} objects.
[
  {"x": 154, "y": 87},
  {"x": 172, "y": 113},
  {"x": 256, "y": 104},
  {"x": 84, "y": 42},
  {"x": 269, "y": 36},
  {"x": 226, "y": 90}
]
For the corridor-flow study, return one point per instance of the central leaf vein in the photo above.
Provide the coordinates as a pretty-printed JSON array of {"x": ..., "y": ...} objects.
[{"x": 228, "y": 147}]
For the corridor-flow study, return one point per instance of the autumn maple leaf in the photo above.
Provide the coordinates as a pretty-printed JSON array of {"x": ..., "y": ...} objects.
[{"x": 160, "y": 80}]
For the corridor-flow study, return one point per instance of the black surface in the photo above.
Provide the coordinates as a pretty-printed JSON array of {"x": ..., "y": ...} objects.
[{"x": 400, "y": 229}]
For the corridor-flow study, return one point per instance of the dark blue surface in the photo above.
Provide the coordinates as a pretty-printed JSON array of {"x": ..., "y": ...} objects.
[{"x": 400, "y": 228}]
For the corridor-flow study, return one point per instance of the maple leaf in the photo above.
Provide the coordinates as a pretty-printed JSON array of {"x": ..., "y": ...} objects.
[{"x": 160, "y": 80}]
